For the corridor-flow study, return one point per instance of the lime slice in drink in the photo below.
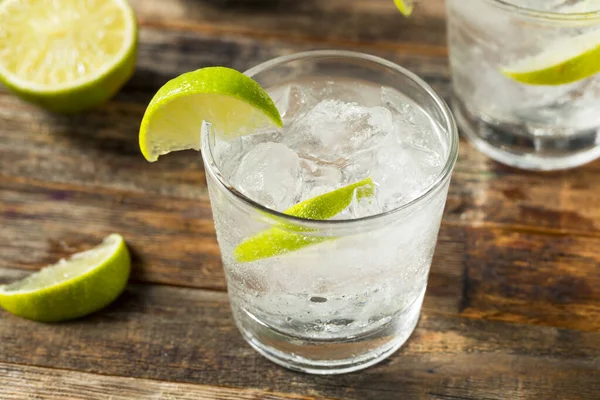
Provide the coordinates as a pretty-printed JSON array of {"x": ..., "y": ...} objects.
[
  {"x": 566, "y": 61},
  {"x": 280, "y": 240},
  {"x": 72, "y": 288},
  {"x": 405, "y": 6},
  {"x": 66, "y": 55},
  {"x": 232, "y": 102}
]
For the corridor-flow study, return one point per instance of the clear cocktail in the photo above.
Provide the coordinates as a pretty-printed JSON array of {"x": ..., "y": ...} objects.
[
  {"x": 341, "y": 293},
  {"x": 526, "y": 88}
]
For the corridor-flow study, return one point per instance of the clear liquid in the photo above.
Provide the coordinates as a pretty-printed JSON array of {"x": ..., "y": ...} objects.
[
  {"x": 337, "y": 134},
  {"x": 529, "y": 126},
  {"x": 342, "y": 303}
]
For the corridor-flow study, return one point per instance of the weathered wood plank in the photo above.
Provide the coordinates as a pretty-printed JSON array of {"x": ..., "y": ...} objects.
[
  {"x": 515, "y": 276},
  {"x": 172, "y": 239},
  {"x": 187, "y": 335},
  {"x": 561, "y": 202},
  {"x": 479, "y": 271},
  {"x": 19, "y": 381},
  {"x": 333, "y": 23}
]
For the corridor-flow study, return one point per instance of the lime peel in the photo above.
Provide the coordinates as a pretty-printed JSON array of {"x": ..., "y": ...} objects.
[
  {"x": 285, "y": 238},
  {"x": 86, "y": 282},
  {"x": 566, "y": 61},
  {"x": 41, "y": 72},
  {"x": 406, "y": 7},
  {"x": 233, "y": 103}
]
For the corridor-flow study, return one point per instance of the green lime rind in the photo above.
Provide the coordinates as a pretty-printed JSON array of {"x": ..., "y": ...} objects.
[
  {"x": 285, "y": 238},
  {"x": 271, "y": 243},
  {"x": 226, "y": 98},
  {"x": 405, "y": 7},
  {"x": 563, "y": 61},
  {"x": 572, "y": 70},
  {"x": 74, "y": 100},
  {"x": 78, "y": 96},
  {"x": 330, "y": 204},
  {"x": 74, "y": 297}
]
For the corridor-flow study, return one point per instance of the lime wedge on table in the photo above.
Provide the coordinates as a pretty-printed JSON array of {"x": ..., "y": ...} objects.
[
  {"x": 280, "y": 240},
  {"x": 565, "y": 61},
  {"x": 66, "y": 55},
  {"x": 232, "y": 102},
  {"x": 72, "y": 288},
  {"x": 405, "y": 6}
]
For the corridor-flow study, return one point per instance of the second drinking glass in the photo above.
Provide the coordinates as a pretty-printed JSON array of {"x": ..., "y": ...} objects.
[{"x": 526, "y": 91}]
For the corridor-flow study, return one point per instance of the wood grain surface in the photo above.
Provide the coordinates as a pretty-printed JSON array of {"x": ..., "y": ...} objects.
[
  {"x": 51, "y": 383},
  {"x": 187, "y": 335},
  {"x": 512, "y": 309}
]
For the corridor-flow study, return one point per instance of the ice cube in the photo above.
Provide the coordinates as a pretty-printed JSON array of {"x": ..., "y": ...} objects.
[
  {"x": 293, "y": 102},
  {"x": 269, "y": 174},
  {"x": 360, "y": 207},
  {"x": 318, "y": 178},
  {"x": 334, "y": 130},
  {"x": 396, "y": 102},
  {"x": 228, "y": 153},
  {"x": 405, "y": 169}
]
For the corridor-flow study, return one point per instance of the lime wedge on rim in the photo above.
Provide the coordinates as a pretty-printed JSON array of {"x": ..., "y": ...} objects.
[
  {"x": 233, "y": 103},
  {"x": 276, "y": 241},
  {"x": 86, "y": 282},
  {"x": 406, "y": 7},
  {"x": 66, "y": 55},
  {"x": 565, "y": 61}
]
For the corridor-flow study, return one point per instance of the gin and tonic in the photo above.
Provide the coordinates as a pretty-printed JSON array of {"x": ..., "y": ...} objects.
[
  {"x": 526, "y": 88},
  {"x": 367, "y": 139}
]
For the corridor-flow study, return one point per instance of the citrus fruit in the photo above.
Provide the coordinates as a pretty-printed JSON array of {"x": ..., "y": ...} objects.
[
  {"x": 231, "y": 102},
  {"x": 66, "y": 55},
  {"x": 565, "y": 61},
  {"x": 276, "y": 241},
  {"x": 86, "y": 282},
  {"x": 405, "y": 6}
]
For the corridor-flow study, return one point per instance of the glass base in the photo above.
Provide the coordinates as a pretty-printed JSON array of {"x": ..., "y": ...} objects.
[
  {"x": 515, "y": 146},
  {"x": 328, "y": 356}
]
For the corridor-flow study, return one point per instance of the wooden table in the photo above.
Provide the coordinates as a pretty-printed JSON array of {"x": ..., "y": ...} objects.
[{"x": 513, "y": 305}]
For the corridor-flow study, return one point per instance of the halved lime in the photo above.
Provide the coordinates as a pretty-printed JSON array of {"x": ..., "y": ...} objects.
[
  {"x": 405, "y": 6},
  {"x": 565, "y": 61},
  {"x": 232, "y": 102},
  {"x": 86, "y": 282},
  {"x": 66, "y": 55},
  {"x": 280, "y": 240}
]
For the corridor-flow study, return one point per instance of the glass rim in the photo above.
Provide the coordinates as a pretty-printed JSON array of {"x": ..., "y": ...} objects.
[
  {"x": 449, "y": 125},
  {"x": 547, "y": 15}
]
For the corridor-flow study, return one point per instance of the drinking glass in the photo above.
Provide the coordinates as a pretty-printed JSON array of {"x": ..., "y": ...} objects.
[
  {"x": 352, "y": 297},
  {"x": 532, "y": 121}
]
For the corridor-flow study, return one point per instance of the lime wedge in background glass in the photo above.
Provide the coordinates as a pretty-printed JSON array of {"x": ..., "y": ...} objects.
[
  {"x": 86, "y": 282},
  {"x": 277, "y": 241},
  {"x": 66, "y": 55},
  {"x": 232, "y": 102},
  {"x": 405, "y": 6},
  {"x": 565, "y": 61}
]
